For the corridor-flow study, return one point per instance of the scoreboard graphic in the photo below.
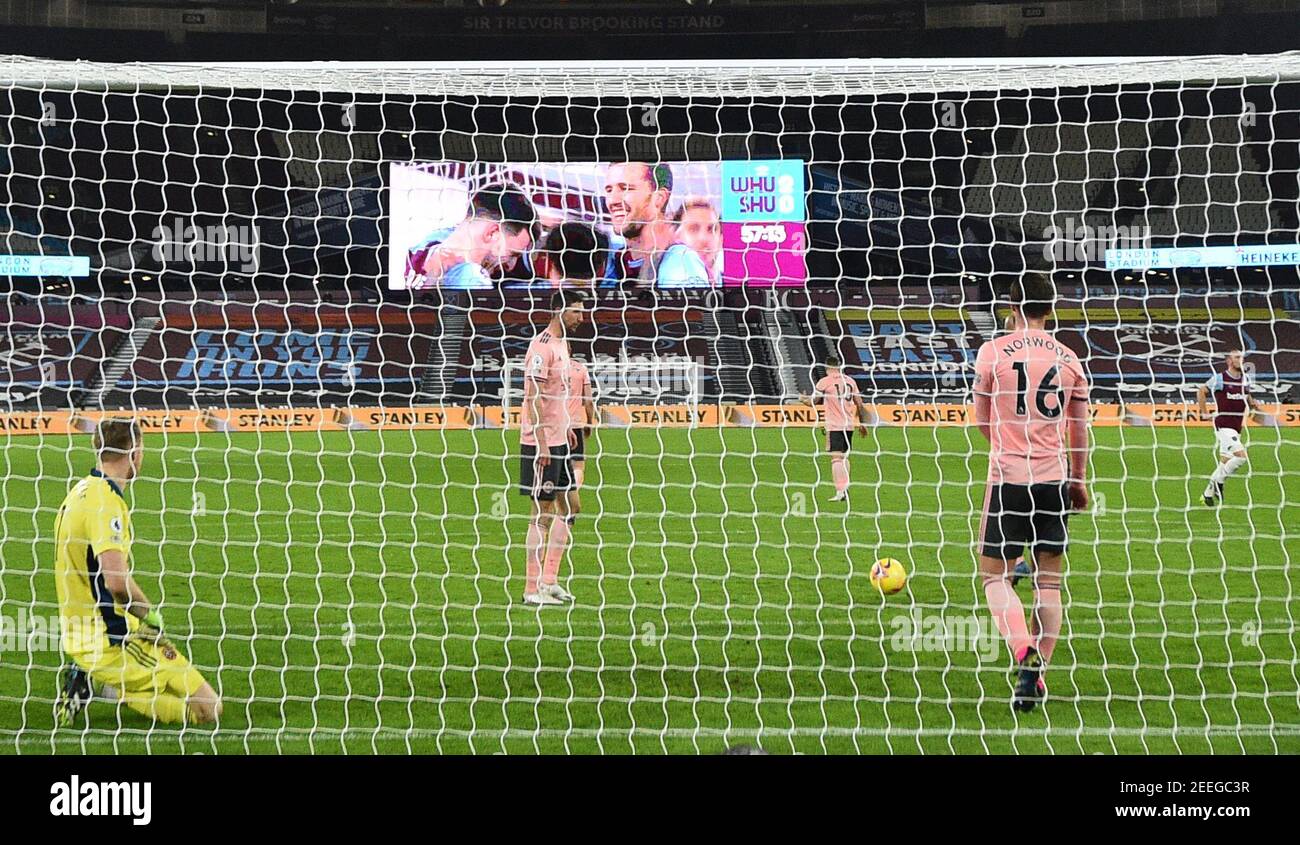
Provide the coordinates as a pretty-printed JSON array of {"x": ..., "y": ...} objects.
[{"x": 764, "y": 223}]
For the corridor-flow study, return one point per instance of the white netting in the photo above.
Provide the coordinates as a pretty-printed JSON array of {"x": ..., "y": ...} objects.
[{"x": 328, "y": 512}]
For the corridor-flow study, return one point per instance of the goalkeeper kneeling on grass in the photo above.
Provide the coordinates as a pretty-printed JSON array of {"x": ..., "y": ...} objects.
[{"x": 111, "y": 634}]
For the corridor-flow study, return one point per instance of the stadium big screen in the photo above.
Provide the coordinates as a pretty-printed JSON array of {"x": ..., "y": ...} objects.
[{"x": 670, "y": 225}]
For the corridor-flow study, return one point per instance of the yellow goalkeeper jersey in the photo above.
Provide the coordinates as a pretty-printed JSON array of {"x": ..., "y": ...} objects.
[{"x": 93, "y": 519}]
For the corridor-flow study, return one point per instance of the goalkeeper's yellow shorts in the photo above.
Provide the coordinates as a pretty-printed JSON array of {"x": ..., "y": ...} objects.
[{"x": 140, "y": 667}]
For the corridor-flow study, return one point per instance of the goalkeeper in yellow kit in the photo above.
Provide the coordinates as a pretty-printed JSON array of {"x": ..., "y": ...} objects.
[{"x": 110, "y": 632}]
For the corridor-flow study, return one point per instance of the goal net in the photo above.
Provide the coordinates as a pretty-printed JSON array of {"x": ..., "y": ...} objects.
[
  {"x": 313, "y": 284},
  {"x": 665, "y": 391}
]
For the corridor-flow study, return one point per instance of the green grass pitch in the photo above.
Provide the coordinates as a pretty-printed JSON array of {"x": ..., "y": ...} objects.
[{"x": 358, "y": 591}]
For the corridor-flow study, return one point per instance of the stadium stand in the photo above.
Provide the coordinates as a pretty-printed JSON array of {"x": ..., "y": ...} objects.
[
  {"x": 265, "y": 354},
  {"x": 499, "y": 329},
  {"x": 53, "y": 353}
]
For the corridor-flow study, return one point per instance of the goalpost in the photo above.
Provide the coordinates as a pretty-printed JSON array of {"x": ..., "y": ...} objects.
[{"x": 328, "y": 512}]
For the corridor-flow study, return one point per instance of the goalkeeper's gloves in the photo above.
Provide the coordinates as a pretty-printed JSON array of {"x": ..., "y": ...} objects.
[
  {"x": 153, "y": 619},
  {"x": 151, "y": 630}
]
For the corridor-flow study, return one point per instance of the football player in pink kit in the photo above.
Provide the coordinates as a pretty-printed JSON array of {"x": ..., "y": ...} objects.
[
  {"x": 1231, "y": 389},
  {"x": 582, "y": 416},
  {"x": 842, "y": 400},
  {"x": 1031, "y": 404},
  {"x": 1020, "y": 568},
  {"x": 546, "y": 438}
]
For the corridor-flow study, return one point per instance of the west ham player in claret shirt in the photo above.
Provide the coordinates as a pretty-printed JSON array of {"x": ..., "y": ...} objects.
[
  {"x": 1031, "y": 404},
  {"x": 637, "y": 196},
  {"x": 499, "y": 229},
  {"x": 1231, "y": 390}
]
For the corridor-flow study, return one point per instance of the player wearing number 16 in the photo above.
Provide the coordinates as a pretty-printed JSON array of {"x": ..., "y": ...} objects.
[{"x": 1031, "y": 404}]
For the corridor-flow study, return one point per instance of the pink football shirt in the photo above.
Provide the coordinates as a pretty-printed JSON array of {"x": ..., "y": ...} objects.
[
  {"x": 1031, "y": 379},
  {"x": 546, "y": 377},
  {"x": 838, "y": 392},
  {"x": 579, "y": 393}
]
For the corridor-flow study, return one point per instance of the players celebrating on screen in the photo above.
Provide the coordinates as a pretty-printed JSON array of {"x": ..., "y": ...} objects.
[
  {"x": 1031, "y": 404},
  {"x": 546, "y": 440},
  {"x": 636, "y": 198},
  {"x": 497, "y": 233},
  {"x": 699, "y": 226},
  {"x": 844, "y": 408},
  {"x": 111, "y": 634},
  {"x": 573, "y": 254},
  {"x": 1231, "y": 390}
]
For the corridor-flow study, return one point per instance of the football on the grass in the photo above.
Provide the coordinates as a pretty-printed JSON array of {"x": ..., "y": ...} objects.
[{"x": 888, "y": 576}]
